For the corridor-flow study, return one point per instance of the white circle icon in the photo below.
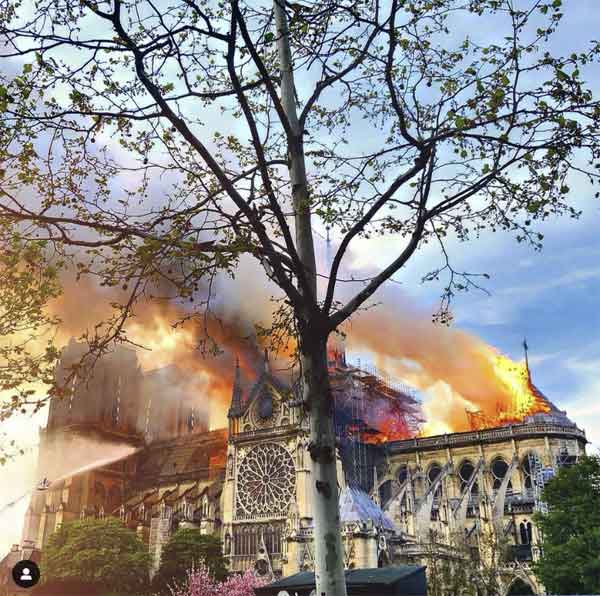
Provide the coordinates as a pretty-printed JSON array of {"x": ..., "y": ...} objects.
[{"x": 26, "y": 576}]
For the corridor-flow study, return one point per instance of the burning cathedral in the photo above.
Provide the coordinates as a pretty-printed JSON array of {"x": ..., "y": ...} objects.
[{"x": 403, "y": 495}]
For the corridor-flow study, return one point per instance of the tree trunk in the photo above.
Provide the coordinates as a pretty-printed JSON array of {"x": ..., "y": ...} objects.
[
  {"x": 329, "y": 555},
  {"x": 329, "y": 559}
]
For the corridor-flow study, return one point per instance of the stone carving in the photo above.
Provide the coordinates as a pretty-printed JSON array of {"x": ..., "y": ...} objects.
[{"x": 266, "y": 482}]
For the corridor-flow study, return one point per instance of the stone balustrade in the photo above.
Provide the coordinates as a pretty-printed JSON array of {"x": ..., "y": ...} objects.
[{"x": 492, "y": 435}]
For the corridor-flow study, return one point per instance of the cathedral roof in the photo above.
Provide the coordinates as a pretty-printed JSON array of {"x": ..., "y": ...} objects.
[
  {"x": 552, "y": 415},
  {"x": 357, "y": 506},
  {"x": 190, "y": 455}
]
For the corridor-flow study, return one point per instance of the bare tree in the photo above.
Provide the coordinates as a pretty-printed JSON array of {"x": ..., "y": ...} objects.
[
  {"x": 263, "y": 120},
  {"x": 471, "y": 566}
]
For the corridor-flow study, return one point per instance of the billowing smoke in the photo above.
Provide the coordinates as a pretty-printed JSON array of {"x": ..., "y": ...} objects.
[
  {"x": 200, "y": 350},
  {"x": 455, "y": 370}
]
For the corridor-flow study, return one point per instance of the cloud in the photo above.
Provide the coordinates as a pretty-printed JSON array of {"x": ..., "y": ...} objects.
[
  {"x": 529, "y": 291},
  {"x": 584, "y": 406}
]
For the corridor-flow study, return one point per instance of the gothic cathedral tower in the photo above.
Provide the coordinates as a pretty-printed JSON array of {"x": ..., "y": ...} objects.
[
  {"x": 267, "y": 517},
  {"x": 100, "y": 410}
]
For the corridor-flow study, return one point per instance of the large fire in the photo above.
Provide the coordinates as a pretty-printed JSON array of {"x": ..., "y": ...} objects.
[
  {"x": 463, "y": 382},
  {"x": 376, "y": 412},
  {"x": 524, "y": 399}
]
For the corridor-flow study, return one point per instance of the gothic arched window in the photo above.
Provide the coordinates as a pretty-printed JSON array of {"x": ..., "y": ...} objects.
[
  {"x": 527, "y": 469},
  {"x": 526, "y": 532},
  {"x": 432, "y": 475},
  {"x": 499, "y": 469},
  {"x": 402, "y": 474},
  {"x": 465, "y": 474}
]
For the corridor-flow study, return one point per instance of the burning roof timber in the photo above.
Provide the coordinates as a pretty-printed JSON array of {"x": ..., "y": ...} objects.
[
  {"x": 166, "y": 402},
  {"x": 528, "y": 403},
  {"x": 369, "y": 408}
]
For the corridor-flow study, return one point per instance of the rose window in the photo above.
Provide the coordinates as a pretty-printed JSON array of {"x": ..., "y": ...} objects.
[{"x": 266, "y": 481}]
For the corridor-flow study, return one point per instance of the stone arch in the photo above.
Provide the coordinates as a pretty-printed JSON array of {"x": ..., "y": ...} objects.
[
  {"x": 498, "y": 468},
  {"x": 466, "y": 469},
  {"x": 520, "y": 586},
  {"x": 433, "y": 471}
]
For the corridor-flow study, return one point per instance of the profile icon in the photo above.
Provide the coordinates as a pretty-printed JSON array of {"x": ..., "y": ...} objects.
[{"x": 26, "y": 574}]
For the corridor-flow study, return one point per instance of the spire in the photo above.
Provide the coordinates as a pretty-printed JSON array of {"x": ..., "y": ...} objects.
[
  {"x": 266, "y": 363},
  {"x": 236, "y": 394},
  {"x": 526, "y": 348}
]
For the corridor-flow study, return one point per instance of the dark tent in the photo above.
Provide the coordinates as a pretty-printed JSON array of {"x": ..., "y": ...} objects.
[{"x": 407, "y": 580}]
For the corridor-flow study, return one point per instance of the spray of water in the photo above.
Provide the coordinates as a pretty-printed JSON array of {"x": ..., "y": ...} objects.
[
  {"x": 94, "y": 465},
  {"x": 16, "y": 502},
  {"x": 52, "y": 483}
]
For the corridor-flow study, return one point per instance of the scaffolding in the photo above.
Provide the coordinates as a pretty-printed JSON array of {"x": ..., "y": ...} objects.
[{"x": 370, "y": 411}]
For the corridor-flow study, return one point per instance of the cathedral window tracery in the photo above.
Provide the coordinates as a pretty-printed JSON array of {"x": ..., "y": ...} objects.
[
  {"x": 465, "y": 473},
  {"x": 527, "y": 470},
  {"x": 247, "y": 538},
  {"x": 499, "y": 469},
  {"x": 432, "y": 474},
  {"x": 266, "y": 482}
]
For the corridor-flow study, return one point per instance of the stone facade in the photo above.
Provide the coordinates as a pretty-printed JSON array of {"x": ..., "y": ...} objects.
[
  {"x": 483, "y": 482},
  {"x": 250, "y": 483}
]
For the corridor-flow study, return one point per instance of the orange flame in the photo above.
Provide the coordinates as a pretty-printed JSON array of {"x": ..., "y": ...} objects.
[
  {"x": 524, "y": 398},
  {"x": 457, "y": 372}
]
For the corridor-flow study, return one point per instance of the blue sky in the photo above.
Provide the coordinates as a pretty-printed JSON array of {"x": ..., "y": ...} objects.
[{"x": 551, "y": 297}]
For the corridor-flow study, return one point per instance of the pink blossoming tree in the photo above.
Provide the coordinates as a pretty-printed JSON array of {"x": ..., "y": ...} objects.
[{"x": 199, "y": 582}]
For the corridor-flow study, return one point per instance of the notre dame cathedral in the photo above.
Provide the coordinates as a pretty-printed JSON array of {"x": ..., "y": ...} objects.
[{"x": 400, "y": 494}]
